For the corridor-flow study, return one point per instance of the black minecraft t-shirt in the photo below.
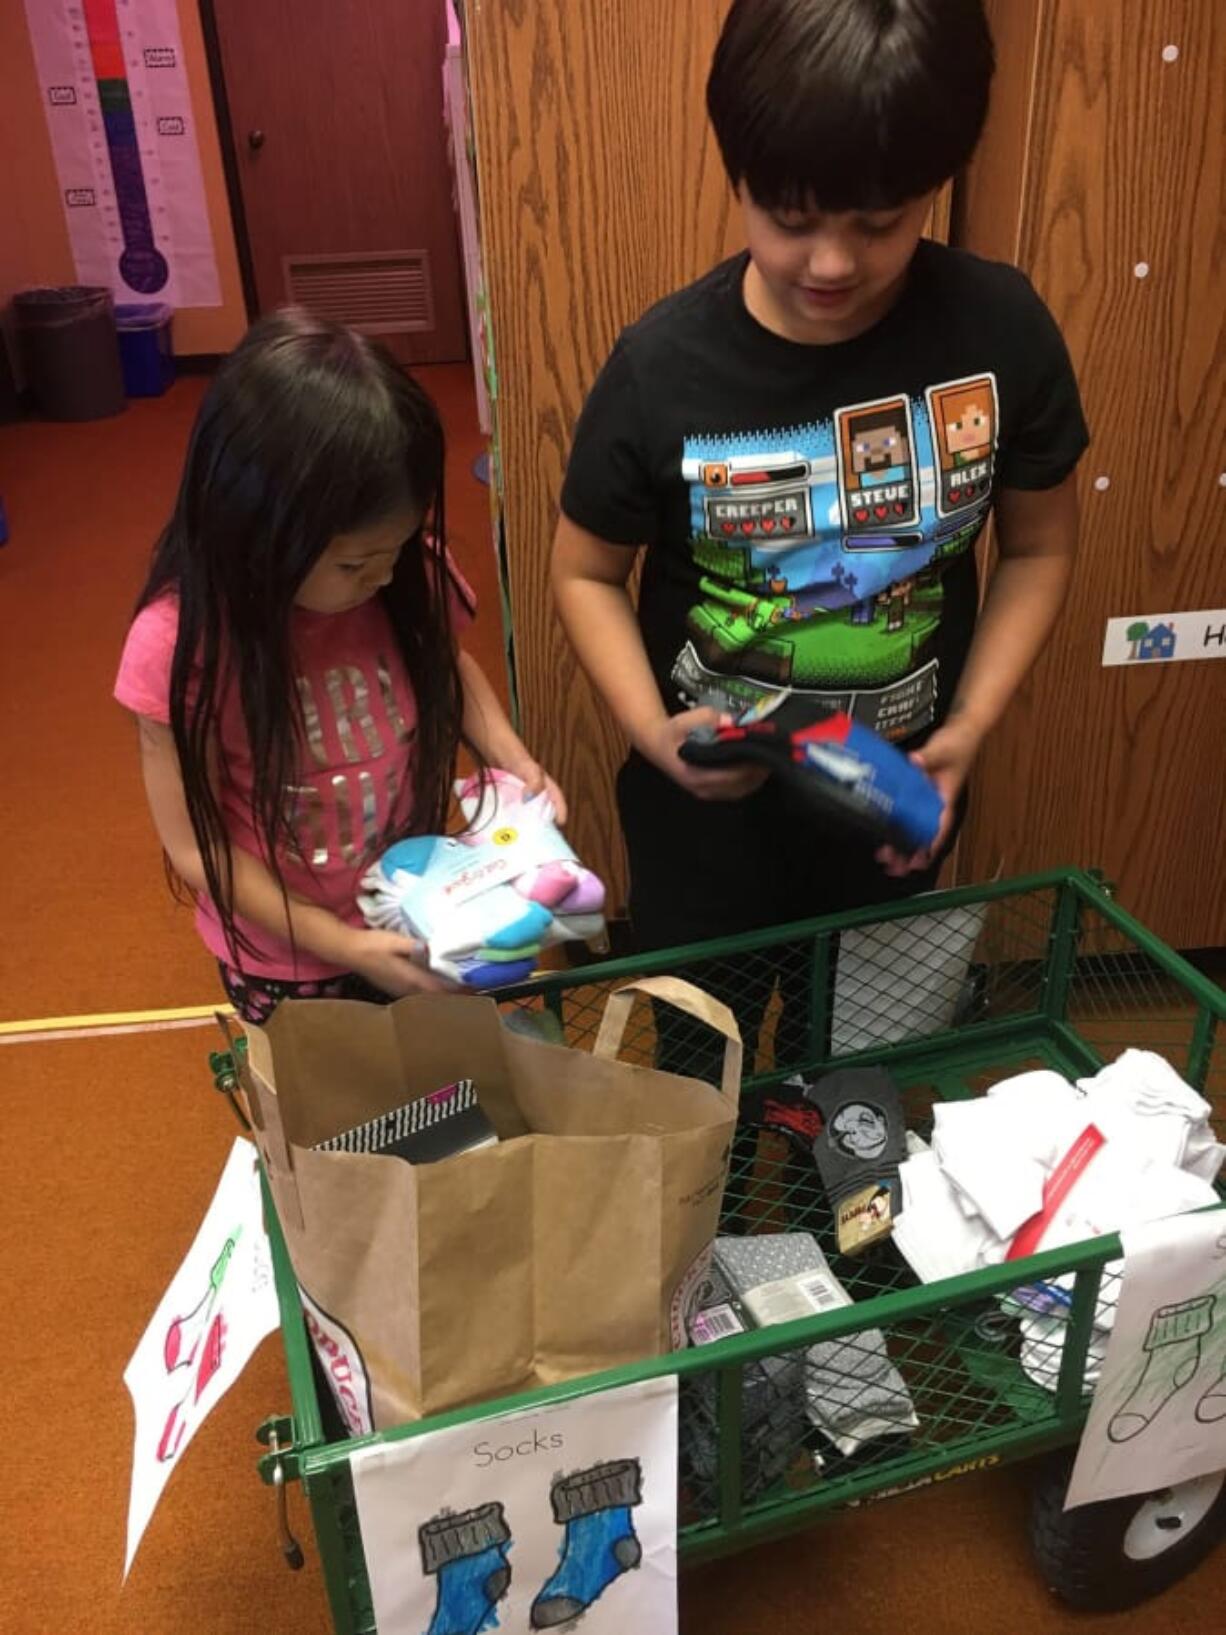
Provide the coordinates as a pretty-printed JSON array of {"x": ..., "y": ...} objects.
[{"x": 810, "y": 512}]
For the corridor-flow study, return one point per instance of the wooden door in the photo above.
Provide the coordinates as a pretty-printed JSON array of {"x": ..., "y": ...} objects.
[
  {"x": 1102, "y": 175},
  {"x": 601, "y": 190},
  {"x": 337, "y": 112}
]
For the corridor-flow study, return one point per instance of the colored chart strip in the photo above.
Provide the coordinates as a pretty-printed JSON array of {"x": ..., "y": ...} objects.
[{"x": 142, "y": 265}]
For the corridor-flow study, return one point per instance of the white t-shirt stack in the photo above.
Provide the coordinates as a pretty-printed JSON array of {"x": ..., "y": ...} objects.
[{"x": 983, "y": 1179}]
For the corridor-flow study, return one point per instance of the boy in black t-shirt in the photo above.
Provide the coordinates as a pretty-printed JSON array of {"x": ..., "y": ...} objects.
[{"x": 807, "y": 442}]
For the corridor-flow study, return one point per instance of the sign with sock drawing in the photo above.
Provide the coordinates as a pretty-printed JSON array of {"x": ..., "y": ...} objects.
[
  {"x": 559, "y": 1517},
  {"x": 1159, "y": 1410}
]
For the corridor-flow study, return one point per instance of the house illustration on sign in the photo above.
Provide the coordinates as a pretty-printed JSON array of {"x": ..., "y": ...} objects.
[
  {"x": 1158, "y": 643},
  {"x": 1151, "y": 641}
]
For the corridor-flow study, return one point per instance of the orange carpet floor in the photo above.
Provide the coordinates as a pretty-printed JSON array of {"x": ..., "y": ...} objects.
[{"x": 114, "y": 1146}]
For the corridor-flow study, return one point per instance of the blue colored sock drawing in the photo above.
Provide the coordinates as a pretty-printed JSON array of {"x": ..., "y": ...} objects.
[
  {"x": 468, "y": 1555},
  {"x": 599, "y": 1544}
]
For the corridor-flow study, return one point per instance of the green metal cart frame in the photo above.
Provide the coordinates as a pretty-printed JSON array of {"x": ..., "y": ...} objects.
[{"x": 1060, "y": 977}]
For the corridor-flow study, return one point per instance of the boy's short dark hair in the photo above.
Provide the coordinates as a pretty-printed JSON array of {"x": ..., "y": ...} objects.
[{"x": 849, "y": 104}]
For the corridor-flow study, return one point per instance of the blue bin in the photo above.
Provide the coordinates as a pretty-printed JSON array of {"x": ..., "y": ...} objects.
[{"x": 145, "y": 352}]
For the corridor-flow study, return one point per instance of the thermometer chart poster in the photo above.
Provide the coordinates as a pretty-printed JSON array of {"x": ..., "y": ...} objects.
[{"x": 115, "y": 94}]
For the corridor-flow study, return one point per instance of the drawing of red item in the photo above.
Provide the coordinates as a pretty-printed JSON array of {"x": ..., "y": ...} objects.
[
  {"x": 172, "y": 1434},
  {"x": 198, "y": 1333},
  {"x": 1056, "y": 1189},
  {"x": 213, "y": 1351},
  {"x": 185, "y": 1333}
]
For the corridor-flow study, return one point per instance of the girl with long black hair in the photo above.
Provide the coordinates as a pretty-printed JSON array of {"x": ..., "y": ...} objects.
[{"x": 294, "y": 665}]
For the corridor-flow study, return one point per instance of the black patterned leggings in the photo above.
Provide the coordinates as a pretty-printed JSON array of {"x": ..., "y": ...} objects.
[{"x": 256, "y": 997}]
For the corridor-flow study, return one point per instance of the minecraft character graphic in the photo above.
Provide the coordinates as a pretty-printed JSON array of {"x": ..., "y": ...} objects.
[
  {"x": 896, "y": 599},
  {"x": 784, "y": 596},
  {"x": 761, "y": 499},
  {"x": 964, "y": 420},
  {"x": 879, "y": 450},
  {"x": 877, "y": 477}
]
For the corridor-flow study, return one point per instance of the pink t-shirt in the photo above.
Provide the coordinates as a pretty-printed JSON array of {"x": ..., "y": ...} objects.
[{"x": 352, "y": 780}]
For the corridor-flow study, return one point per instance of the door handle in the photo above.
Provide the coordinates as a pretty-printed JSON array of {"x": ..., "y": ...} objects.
[{"x": 255, "y": 140}]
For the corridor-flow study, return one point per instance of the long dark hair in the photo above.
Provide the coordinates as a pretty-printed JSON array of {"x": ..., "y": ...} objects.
[{"x": 307, "y": 431}]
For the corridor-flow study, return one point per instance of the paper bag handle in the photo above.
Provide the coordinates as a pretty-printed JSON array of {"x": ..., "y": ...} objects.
[
  {"x": 682, "y": 996},
  {"x": 266, "y": 1118}
]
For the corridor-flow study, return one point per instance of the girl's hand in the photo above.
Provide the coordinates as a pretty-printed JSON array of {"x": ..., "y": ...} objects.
[
  {"x": 947, "y": 759},
  {"x": 536, "y": 781},
  {"x": 393, "y": 964}
]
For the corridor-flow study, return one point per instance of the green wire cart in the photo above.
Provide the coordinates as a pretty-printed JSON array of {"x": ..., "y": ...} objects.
[{"x": 1046, "y": 971}]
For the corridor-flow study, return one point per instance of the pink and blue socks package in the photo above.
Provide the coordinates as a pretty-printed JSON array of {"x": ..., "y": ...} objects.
[{"x": 486, "y": 902}]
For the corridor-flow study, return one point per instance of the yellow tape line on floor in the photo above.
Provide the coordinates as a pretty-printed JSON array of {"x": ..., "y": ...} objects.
[{"x": 67, "y": 1027}]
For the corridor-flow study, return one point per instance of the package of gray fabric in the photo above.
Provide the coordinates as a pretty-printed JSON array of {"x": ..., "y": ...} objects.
[
  {"x": 774, "y": 1424},
  {"x": 854, "y": 1392}
]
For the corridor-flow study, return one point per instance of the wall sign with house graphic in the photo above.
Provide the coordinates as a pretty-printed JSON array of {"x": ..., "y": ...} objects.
[
  {"x": 1155, "y": 641},
  {"x": 1165, "y": 638}
]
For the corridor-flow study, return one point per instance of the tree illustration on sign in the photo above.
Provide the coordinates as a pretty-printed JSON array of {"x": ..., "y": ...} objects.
[{"x": 1136, "y": 633}]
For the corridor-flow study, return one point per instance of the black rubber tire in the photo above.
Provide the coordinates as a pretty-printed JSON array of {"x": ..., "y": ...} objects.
[{"x": 1081, "y": 1555}]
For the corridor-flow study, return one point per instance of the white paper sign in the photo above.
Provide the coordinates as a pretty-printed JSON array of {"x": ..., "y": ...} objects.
[
  {"x": 114, "y": 90},
  {"x": 563, "y": 1516},
  {"x": 902, "y": 979},
  {"x": 1159, "y": 1410},
  {"x": 1166, "y": 638},
  {"x": 219, "y": 1307}
]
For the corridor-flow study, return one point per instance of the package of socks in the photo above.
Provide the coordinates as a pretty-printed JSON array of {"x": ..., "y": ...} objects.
[
  {"x": 841, "y": 767},
  {"x": 774, "y": 1422},
  {"x": 858, "y": 1150},
  {"x": 486, "y": 902},
  {"x": 570, "y": 1244},
  {"x": 853, "y": 1391}
]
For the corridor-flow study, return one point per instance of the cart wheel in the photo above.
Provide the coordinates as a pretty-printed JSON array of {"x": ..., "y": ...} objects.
[{"x": 1106, "y": 1557}]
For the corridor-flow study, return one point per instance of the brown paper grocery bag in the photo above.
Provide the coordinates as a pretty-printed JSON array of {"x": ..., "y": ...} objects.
[{"x": 575, "y": 1243}]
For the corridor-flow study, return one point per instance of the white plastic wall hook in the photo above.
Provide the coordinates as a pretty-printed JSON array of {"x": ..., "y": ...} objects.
[
  {"x": 1102, "y": 483},
  {"x": 1141, "y": 270},
  {"x": 1170, "y": 53}
]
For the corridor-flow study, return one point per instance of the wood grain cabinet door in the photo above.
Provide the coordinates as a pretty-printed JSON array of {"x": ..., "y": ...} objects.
[
  {"x": 1103, "y": 175},
  {"x": 341, "y": 150}
]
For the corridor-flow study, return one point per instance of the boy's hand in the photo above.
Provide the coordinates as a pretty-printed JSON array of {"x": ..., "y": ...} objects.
[
  {"x": 660, "y": 743},
  {"x": 947, "y": 759},
  {"x": 393, "y": 964}
]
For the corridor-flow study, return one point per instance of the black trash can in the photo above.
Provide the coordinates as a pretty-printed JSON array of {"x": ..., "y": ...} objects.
[
  {"x": 10, "y": 408},
  {"x": 70, "y": 350}
]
